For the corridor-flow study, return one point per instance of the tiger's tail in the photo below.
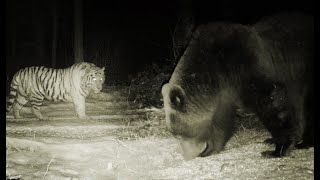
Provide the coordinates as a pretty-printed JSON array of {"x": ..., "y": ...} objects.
[{"x": 12, "y": 94}]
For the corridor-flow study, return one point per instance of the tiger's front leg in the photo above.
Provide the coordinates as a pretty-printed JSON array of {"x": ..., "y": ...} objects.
[{"x": 80, "y": 107}]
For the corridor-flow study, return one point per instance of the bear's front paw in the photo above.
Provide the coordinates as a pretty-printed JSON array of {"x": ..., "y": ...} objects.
[
  {"x": 269, "y": 141},
  {"x": 272, "y": 154}
]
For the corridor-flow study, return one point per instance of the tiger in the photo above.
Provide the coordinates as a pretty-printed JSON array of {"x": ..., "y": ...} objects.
[{"x": 36, "y": 83}]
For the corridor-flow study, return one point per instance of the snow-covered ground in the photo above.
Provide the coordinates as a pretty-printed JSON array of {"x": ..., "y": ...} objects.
[{"x": 121, "y": 142}]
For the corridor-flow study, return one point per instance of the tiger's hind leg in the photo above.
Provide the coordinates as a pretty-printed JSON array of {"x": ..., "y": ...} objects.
[
  {"x": 17, "y": 106},
  {"x": 36, "y": 102}
]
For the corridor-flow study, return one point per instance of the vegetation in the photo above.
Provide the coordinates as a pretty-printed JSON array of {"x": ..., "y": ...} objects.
[{"x": 145, "y": 87}]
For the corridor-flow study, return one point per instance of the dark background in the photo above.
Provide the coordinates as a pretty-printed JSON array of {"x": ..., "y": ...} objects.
[{"x": 124, "y": 36}]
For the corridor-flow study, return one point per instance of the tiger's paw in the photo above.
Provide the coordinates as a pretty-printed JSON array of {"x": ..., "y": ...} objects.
[
  {"x": 45, "y": 118},
  {"x": 85, "y": 117},
  {"x": 18, "y": 117}
]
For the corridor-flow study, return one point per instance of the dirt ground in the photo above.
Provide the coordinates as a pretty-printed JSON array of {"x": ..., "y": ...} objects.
[{"x": 120, "y": 142}]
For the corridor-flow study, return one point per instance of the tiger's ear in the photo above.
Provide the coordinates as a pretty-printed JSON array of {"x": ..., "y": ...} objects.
[
  {"x": 87, "y": 70},
  {"x": 102, "y": 70}
]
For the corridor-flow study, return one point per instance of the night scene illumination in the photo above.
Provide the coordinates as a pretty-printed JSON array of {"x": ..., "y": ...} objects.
[{"x": 181, "y": 89}]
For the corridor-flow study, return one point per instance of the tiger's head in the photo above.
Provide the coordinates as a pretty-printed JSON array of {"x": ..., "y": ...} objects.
[{"x": 93, "y": 79}]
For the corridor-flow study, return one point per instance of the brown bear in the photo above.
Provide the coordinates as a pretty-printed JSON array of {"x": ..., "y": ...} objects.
[{"x": 266, "y": 67}]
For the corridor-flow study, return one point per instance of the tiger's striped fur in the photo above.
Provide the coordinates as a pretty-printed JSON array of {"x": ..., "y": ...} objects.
[{"x": 72, "y": 84}]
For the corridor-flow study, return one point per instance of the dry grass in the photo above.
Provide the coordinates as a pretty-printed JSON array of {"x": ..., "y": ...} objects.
[{"x": 142, "y": 149}]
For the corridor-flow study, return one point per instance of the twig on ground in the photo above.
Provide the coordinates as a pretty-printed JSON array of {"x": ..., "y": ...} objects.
[
  {"x": 124, "y": 145},
  {"x": 120, "y": 142},
  {"x": 154, "y": 109},
  {"x": 47, "y": 169},
  {"x": 15, "y": 177}
]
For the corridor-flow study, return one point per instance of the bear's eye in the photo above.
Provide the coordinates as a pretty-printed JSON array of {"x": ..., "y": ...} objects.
[
  {"x": 176, "y": 101},
  {"x": 94, "y": 79}
]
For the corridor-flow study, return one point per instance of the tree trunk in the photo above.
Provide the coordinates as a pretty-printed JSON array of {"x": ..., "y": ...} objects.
[
  {"x": 39, "y": 32},
  {"x": 54, "y": 34},
  {"x": 78, "y": 31}
]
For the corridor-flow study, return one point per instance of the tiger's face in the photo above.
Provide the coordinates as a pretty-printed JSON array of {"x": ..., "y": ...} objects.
[
  {"x": 97, "y": 83},
  {"x": 94, "y": 79}
]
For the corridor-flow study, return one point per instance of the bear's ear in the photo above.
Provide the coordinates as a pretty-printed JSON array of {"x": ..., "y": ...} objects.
[
  {"x": 164, "y": 89},
  {"x": 182, "y": 34}
]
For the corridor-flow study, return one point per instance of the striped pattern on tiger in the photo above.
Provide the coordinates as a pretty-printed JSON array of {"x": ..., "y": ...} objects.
[{"x": 72, "y": 84}]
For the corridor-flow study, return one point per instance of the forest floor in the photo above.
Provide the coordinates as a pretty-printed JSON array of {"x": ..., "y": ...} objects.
[{"x": 123, "y": 142}]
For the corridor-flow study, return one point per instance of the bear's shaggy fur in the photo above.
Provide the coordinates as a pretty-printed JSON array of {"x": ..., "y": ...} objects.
[{"x": 267, "y": 67}]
